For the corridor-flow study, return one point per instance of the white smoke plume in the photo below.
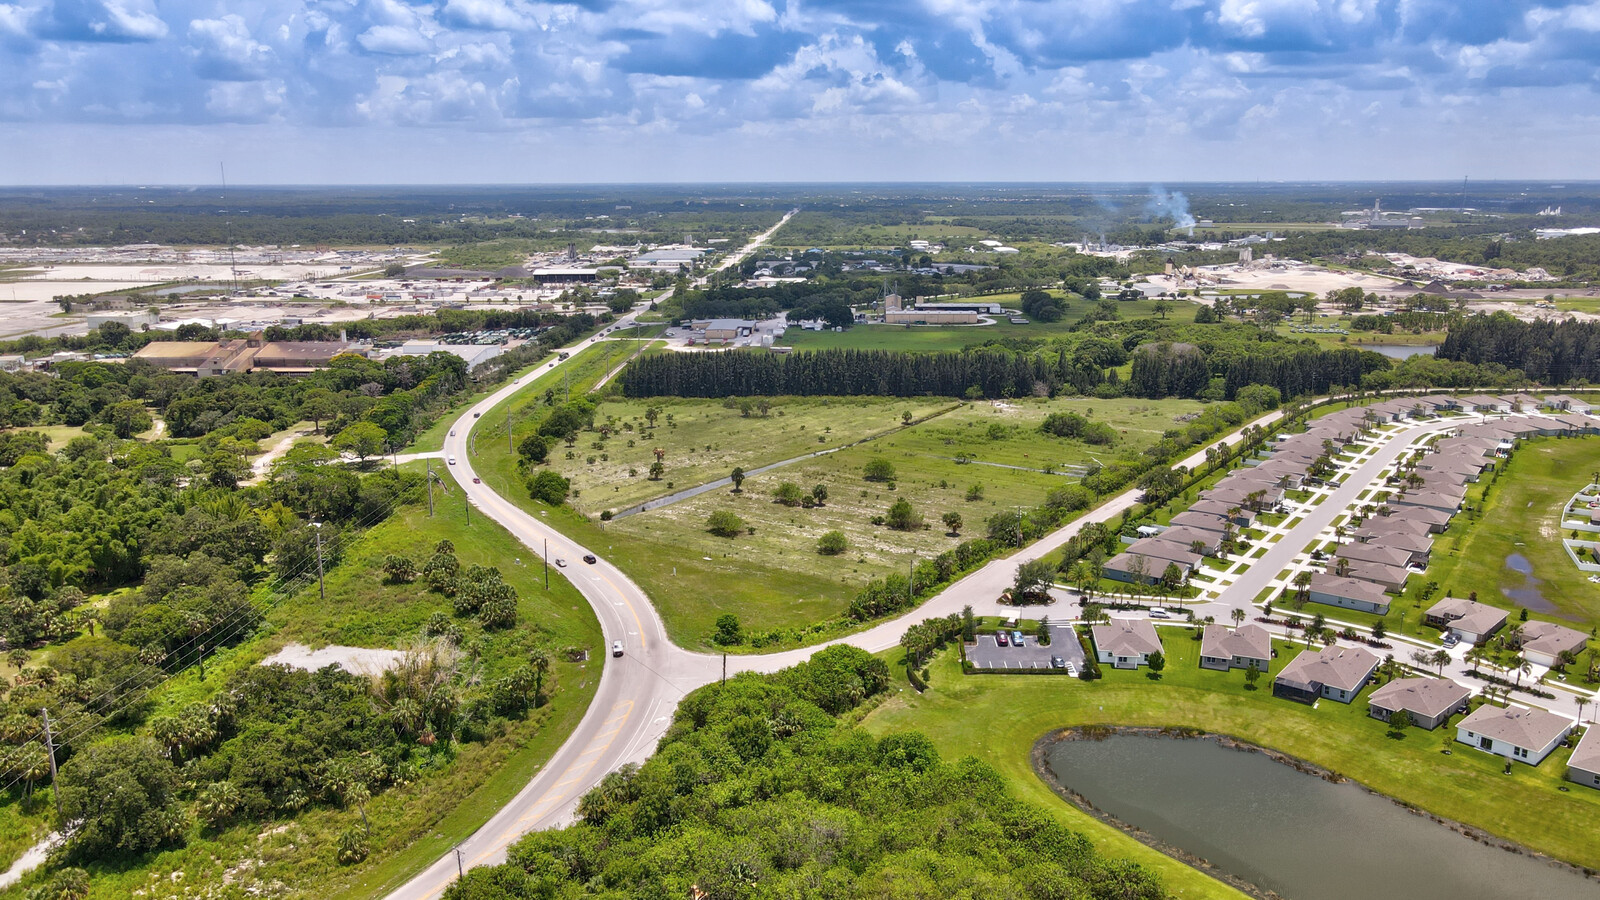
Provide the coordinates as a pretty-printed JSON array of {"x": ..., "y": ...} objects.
[{"x": 1170, "y": 203}]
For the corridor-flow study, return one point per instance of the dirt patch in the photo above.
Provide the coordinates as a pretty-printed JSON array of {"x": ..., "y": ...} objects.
[{"x": 355, "y": 660}]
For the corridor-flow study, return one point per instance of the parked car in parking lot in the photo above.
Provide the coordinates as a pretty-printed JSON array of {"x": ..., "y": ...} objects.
[
  {"x": 1003, "y": 639},
  {"x": 1016, "y": 639},
  {"x": 1058, "y": 662}
]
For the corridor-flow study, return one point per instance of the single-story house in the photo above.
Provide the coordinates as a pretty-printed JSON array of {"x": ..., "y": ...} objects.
[
  {"x": 1349, "y": 593},
  {"x": 1580, "y": 422},
  {"x": 1431, "y": 498},
  {"x": 1415, "y": 545},
  {"x": 1336, "y": 673},
  {"x": 1188, "y": 538},
  {"x": 1216, "y": 507},
  {"x": 1521, "y": 402},
  {"x": 1584, "y": 765},
  {"x": 1429, "y": 701},
  {"x": 1243, "y": 492},
  {"x": 1479, "y": 403},
  {"x": 1125, "y": 643},
  {"x": 1134, "y": 568},
  {"x": 1437, "y": 520},
  {"x": 1204, "y": 522},
  {"x": 1569, "y": 404},
  {"x": 1376, "y": 528},
  {"x": 1525, "y": 735},
  {"x": 1375, "y": 553},
  {"x": 1543, "y": 643},
  {"x": 1390, "y": 578},
  {"x": 1468, "y": 620},
  {"x": 1240, "y": 649}
]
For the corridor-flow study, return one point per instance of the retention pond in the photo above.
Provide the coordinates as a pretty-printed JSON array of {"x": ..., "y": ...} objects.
[{"x": 1268, "y": 825}]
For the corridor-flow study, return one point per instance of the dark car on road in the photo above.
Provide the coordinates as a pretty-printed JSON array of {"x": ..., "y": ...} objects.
[{"x": 589, "y": 558}]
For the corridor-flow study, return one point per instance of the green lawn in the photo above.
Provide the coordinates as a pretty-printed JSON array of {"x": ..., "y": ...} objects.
[
  {"x": 411, "y": 825},
  {"x": 997, "y": 718},
  {"x": 1522, "y": 516}
]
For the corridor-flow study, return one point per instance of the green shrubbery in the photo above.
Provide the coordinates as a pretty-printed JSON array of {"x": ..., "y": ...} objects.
[{"x": 757, "y": 791}]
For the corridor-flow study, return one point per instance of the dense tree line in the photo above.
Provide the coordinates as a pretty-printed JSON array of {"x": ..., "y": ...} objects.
[
  {"x": 837, "y": 373},
  {"x": 1545, "y": 351},
  {"x": 757, "y": 791}
]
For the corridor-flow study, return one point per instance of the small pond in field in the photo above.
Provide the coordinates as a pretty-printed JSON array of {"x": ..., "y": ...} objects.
[
  {"x": 1528, "y": 595},
  {"x": 1285, "y": 831}
]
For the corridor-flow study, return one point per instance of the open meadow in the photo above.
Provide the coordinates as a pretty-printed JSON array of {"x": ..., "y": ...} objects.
[{"x": 771, "y": 573}]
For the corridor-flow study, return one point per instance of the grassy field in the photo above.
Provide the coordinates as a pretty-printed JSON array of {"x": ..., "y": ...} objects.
[
  {"x": 1522, "y": 516},
  {"x": 775, "y": 578},
  {"x": 997, "y": 718},
  {"x": 411, "y": 825},
  {"x": 704, "y": 440}
]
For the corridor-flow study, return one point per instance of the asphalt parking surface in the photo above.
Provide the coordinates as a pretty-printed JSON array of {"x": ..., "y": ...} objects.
[{"x": 1063, "y": 643}]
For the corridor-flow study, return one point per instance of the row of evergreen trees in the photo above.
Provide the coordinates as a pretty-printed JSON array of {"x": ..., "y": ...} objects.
[
  {"x": 1159, "y": 370},
  {"x": 1546, "y": 352}
]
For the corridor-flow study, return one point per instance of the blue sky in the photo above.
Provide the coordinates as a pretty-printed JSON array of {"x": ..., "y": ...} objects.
[{"x": 384, "y": 91}]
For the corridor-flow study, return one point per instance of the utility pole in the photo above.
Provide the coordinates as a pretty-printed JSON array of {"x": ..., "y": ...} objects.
[
  {"x": 460, "y": 870},
  {"x": 430, "y": 488},
  {"x": 547, "y": 564},
  {"x": 322, "y": 591},
  {"x": 511, "y": 447},
  {"x": 50, "y": 745},
  {"x": 724, "y": 669},
  {"x": 466, "y": 506}
]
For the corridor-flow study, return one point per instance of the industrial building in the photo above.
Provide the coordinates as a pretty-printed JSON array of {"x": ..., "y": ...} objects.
[
  {"x": 564, "y": 275},
  {"x": 666, "y": 259},
  {"x": 474, "y": 354},
  {"x": 252, "y": 354}
]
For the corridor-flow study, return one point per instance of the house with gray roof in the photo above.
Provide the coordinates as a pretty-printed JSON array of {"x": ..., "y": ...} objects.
[
  {"x": 1430, "y": 702},
  {"x": 1525, "y": 735},
  {"x": 1390, "y": 578},
  {"x": 1566, "y": 403},
  {"x": 1203, "y": 522},
  {"x": 1349, "y": 593},
  {"x": 1217, "y": 507},
  {"x": 1146, "y": 560},
  {"x": 1437, "y": 520},
  {"x": 1188, "y": 538},
  {"x": 1125, "y": 643},
  {"x": 1374, "y": 528},
  {"x": 1468, "y": 620},
  {"x": 1480, "y": 403},
  {"x": 1239, "y": 649},
  {"x": 1337, "y": 673},
  {"x": 1584, "y": 765},
  {"x": 1381, "y": 554},
  {"x": 1543, "y": 643}
]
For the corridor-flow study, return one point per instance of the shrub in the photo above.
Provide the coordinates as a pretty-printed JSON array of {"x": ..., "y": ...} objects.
[
  {"x": 723, "y": 523},
  {"x": 878, "y": 469},
  {"x": 902, "y": 517},
  {"x": 833, "y": 543}
]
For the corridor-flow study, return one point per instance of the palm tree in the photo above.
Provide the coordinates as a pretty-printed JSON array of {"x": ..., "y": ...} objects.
[
  {"x": 1441, "y": 658},
  {"x": 1523, "y": 667},
  {"x": 1238, "y": 617}
]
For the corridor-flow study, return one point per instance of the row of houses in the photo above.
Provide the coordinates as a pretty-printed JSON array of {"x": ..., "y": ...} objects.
[
  {"x": 1386, "y": 548},
  {"x": 1526, "y": 735}
]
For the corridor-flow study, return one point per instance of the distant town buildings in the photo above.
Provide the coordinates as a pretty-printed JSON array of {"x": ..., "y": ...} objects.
[{"x": 252, "y": 354}]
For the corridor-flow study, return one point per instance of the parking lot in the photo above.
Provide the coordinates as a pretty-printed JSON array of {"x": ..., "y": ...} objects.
[{"x": 1063, "y": 643}]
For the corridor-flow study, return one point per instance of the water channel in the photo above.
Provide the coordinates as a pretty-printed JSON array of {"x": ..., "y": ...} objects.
[
  {"x": 1400, "y": 351},
  {"x": 1292, "y": 833}
]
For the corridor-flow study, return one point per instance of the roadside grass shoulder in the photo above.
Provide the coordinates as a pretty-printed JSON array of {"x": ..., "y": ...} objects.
[{"x": 997, "y": 718}]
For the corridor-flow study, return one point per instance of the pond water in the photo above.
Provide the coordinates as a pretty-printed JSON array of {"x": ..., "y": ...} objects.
[
  {"x": 1296, "y": 834},
  {"x": 1528, "y": 595},
  {"x": 1400, "y": 351}
]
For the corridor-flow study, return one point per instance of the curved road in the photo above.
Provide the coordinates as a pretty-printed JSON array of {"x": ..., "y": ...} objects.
[{"x": 639, "y": 691}]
